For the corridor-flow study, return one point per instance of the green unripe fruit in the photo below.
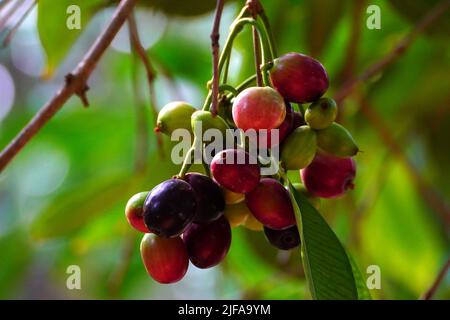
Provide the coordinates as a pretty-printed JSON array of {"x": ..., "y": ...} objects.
[
  {"x": 300, "y": 188},
  {"x": 321, "y": 113},
  {"x": 174, "y": 115},
  {"x": 299, "y": 148},
  {"x": 336, "y": 140},
  {"x": 207, "y": 122}
]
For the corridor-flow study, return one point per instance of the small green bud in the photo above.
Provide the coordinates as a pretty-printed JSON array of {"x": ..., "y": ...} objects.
[
  {"x": 299, "y": 148},
  {"x": 321, "y": 113},
  {"x": 337, "y": 141},
  {"x": 174, "y": 115},
  {"x": 315, "y": 201}
]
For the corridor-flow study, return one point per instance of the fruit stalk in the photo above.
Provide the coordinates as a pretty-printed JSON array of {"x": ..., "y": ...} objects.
[{"x": 215, "y": 53}]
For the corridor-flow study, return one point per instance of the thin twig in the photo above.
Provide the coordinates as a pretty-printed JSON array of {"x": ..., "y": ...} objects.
[
  {"x": 75, "y": 84},
  {"x": 440, "y": 278},
  {"x": 14, "y": 29},
  {"x": 432, "y": 16},
  {"x": 431, "y": 196},
  {"x": 150, "y": 72},
  {"x": 215, "y": 53}
]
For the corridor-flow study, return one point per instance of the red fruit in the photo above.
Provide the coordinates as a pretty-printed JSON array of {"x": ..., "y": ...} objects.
[
  {"x": 134, "y": 211},
  {"x": 329, "y": 176},
  {"x": 271, "y": 205},
  {"x": 299, "y": 78},
  {"x": 165, "y": 259},
  {"x": 235, "y": 170},
  {"x": 258, "y": 108},
  {"x": 208, "y": 244},
  {"x": 283, "y": 130}
]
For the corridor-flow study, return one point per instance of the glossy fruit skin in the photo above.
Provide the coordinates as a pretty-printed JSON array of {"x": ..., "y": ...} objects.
[
  {"x": 169, "y": 208},
  {"x": 209, "y": 196},
  {"x": 232, "y": 197},
  {"x": 166, "y": 260},
  {"x": 337, "y": 141},
  {"x": 208, "y": 244},
  {"x": 174, "y": 115},
  {"x": 299, "y": 148},
  {"x": 329, "y": 176},
  {"x": 258, "y": 108},
  {"x": 134, "y": 211},
  {"x": 237, "y": 214},
  {"x": 283, "y": 130},
  {"x": 237, "y": 177},
  {"x": 299, "y": 78},
  {"x": 314, "y": 201},
  {"x": 271, "y": 205},
  {"x": 208, "y": 122},
  {"x": 285, "y": 239},
  {"x": 321, "y": 113}
]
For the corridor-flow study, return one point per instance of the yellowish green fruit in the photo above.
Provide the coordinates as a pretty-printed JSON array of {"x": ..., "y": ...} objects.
[
  {"x": 336, "y": 140},
  {"x": 207, "y": 121},
  {"x": 315, "y": 201},
  {"x": 174, "y": 115},
  {"x": 236, "y": 214},
  {"x": 321, "y": 113},
  {"x": 232, "y": 197},
  {"x": 299, "y": 148},
  {"x": 253, "y": 224}
]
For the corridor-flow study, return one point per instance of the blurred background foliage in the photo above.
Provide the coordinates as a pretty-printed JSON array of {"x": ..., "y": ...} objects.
[{"x": 62, "y": 199}]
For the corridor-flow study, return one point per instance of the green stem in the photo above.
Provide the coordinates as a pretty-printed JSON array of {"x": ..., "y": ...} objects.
[
  {"x": 187, "y": 163},
  {"x": 229, "y": 88},
  {"x": 268, "y": 30}
]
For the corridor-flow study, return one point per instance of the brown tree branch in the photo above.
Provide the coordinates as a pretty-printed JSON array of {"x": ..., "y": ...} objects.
[
  {"x": 215, "y": 54},
  {"x": 429, "y": 18},
  {"x": 431, "y": 196},
  {"x": 440, "y": 278},
  {"x": 150, "y": 72},
  {"x": 75, "y": 84}
]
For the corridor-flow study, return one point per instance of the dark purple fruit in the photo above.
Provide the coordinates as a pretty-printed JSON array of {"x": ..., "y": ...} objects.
[
  {"x": 166, "y": 260},
  {"x": 208, "y": 244},
  {"x": 169, "y": 208},
  {"x": 283, "y": 239},
  {"x": 209, "y": 196}
]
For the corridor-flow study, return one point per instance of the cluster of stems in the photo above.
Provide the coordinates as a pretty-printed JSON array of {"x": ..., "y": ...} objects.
[{"x": 258, "y": 20}]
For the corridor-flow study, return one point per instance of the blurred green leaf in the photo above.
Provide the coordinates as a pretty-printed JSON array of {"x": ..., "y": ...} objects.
[
  {"x": 327, "y": 267},
  {"x": 322, "y": 18},
  {"x": 417, "y": 9},
  {"x": 74, "y": 209},
  {"x": 16, "y": 255},
  {"x": 55, "y": 37}
]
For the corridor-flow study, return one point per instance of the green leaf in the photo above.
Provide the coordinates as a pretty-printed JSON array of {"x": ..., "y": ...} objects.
[
  {"x": 56, "y": 37},
  {"x": 327, "y": 267},
  {"x": 16, "y": 255},
  {"x": 74, "y": 209},
  {"x": 361, "y": 286}
]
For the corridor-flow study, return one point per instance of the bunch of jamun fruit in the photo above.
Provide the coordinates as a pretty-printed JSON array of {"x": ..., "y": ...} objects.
[{"x": 189, "y": 217}]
